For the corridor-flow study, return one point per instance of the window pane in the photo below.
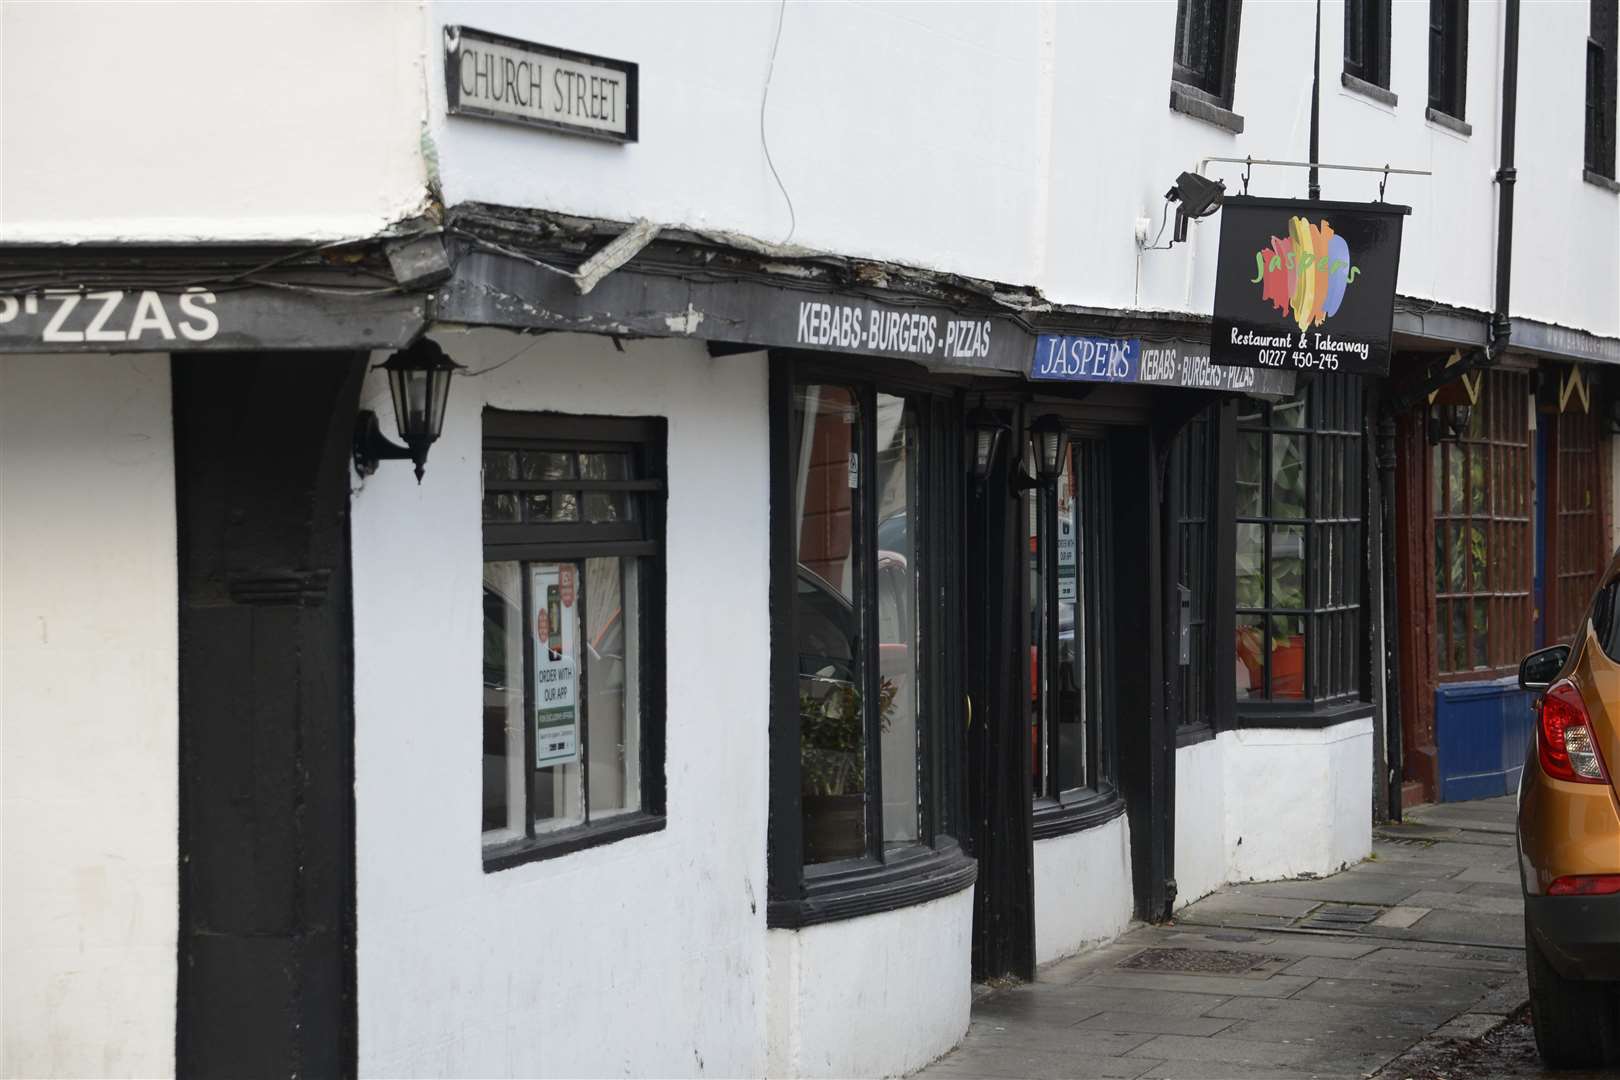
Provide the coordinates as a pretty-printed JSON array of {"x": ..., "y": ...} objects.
[
  {"x": 503, "y": 702},
  {"x": 898, "y": 573},
  {"x": 832, "y": 730},
  {"x": 1287, "y": 656},
  {"x": 1251, "y": 582},
  {"x": 1070, "y": 700},
  {"x": 1040, "y": 740},
  {"x": 606, "y": 506},
  {"x": 557, "y": 799},
  {"x": 1250, "y": 464},
  {"x": 1288, "y": 476},
  {"x": 1251, "y": 656},
  {"x": 609, "y": 663},
  {"x": 1288, "y": 566},
  {"x": 1291, "y": 414}
]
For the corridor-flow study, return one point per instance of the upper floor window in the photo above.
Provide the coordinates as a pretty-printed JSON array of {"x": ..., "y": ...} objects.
[
  {"x": 1600, "y": 88},
  {"x": 573, "y": 635},
  {"x": 1205, "y": 61},
  {"x": 1448, "y": 57},
  {"x": 1298, "y": 545},
  {"x": 1366, "y": 40}
]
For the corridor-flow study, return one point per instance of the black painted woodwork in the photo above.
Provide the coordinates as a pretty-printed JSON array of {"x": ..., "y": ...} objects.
[
  {"x": 998, "y": 784},
  {"x": 266, "y": 949}
]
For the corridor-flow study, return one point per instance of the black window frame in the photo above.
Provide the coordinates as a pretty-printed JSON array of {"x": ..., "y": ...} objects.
[
  {"x": 1601, "y": 48},
  {"x": 646, "y": 440},
  {"x": 1099, "y": 799},
  {"x": 1203, "y": 69},
  {"x": 1334, "y": 422},
  {"x": 1366, "y": 41},
  {"x": 1200, "y": 505},
  {"x": 1448, "y": 59},
  {"x": 884, "y": 878}
]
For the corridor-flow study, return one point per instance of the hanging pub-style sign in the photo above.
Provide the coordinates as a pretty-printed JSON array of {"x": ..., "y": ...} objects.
[{"x": 1306, "y": 286}]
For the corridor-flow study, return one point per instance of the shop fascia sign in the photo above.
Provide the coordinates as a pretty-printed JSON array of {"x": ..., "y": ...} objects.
[
  {"x": 1082, "y": 358},
  {"x": 1306, "y": 285},
  {"x": 155, "y": 320},
  {"x": 502, "y": 78}
]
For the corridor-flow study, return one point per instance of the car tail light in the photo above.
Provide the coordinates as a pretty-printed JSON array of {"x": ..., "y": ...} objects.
[
  {"x": 1564, "y": 739},
  {"x": 1592, "y": 885}
]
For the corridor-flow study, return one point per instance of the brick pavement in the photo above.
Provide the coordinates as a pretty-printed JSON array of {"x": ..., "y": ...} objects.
[{"x": 1328, "y": 978}]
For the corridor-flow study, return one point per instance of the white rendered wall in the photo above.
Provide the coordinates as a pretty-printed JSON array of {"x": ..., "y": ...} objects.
[
  {"x": 1082, "y": 889},
  {"x": 900, "y": 131},
  {"x": 1023, "y": 142},
  {"x": 1201, "y": 864},
  {"x": 1566, "y": 256},
  {"x": 880, "y": 995},
  {"x": 172, "y": 121},
  {"x": 89, "y": 724},
  {"x": 643, "y": 957},
  {"x": 1297, "y": 801}
]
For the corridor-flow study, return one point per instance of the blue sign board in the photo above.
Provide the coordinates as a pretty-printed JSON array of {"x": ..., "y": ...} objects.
[{"x": 1067, "y": 358}]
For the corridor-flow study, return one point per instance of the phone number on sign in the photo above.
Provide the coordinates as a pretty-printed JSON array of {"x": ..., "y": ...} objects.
[{"x": 1298, "y": 359}]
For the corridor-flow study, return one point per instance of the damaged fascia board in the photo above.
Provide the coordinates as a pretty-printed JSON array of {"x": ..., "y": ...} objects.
[{"x": 618, "y": 251}]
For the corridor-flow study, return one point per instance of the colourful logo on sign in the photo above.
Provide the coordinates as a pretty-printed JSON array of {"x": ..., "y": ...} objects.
[{"x": 1306, "y": 275}]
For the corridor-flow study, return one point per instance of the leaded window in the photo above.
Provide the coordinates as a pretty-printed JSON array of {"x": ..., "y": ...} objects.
[
  {"x": 1481, "y": 500},
  {"x": 1581, "y": 550},
  {"x": 1298, "y": 545}
]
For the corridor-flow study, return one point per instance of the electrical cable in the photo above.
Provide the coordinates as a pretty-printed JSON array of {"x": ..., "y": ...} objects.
[{"x": 765, "y": 96}]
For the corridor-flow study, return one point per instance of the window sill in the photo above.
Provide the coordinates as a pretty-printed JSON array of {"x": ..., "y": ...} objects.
[
  {"x": 915, "y": 876},
  {"x": 1193, "y": 102},
  {"x": 1448, "y": 123},
  {"x": 1301, "y": 715},
  {"x": 1597, "y": 179},
  {"x": 1369, "y": 90},
  {"x": 568, "y": 841},
  {"x": 1193, "y": 734},
  {"x": 1061, "y": 819}
]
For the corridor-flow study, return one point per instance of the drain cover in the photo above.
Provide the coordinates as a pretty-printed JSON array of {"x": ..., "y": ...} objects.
[
  {"x": 1203, "y": 961},
  {"x": 1347, "y": 918},
  {"x": 1405, "y": 841}
]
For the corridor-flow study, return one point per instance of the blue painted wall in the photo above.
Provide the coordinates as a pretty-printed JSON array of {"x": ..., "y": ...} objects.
[{"x": 1483, "y": 733}]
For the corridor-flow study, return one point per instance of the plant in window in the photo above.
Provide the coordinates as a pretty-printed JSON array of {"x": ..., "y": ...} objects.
[{"x": 831, "y": 738}]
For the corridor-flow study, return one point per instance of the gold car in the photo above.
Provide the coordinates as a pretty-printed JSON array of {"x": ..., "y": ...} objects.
[{"x": 1569, "y": 840}]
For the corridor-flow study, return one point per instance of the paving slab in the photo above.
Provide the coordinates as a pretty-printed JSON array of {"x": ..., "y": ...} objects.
[
  {"x": 1004, "y": 1064},
  {"x": 1204, "y": 1070},
  {"x": 1271, "y": 944},
  {"x": 1086, "y": 1041},
  {"x": 1150, "y": 1024},
  {"x": 1401, "y": 916},
  {"x": 1221, "y": 1049},
  {"x": 1226, "y": 985},
  {"x": 1478, "y": 960},
  {"x": 1378, "y": 991},
  {"x": 1250, "y": 902},
  {"x": 1286, "y": 1010},
  {"x": 1088, "y": 1000},
  {"x": 1352, "y": 888},
  {"x": 1483, "y": 905}
]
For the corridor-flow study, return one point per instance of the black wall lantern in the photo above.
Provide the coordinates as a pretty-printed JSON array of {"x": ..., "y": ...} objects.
[
  {"x": 419, "y": 380},
  {"x": 1050, "y": 439},
  {"x": 987, "y": 431},
  {"x": 1449, "y": 423}
]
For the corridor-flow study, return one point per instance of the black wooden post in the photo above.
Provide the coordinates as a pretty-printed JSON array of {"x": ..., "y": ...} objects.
[{"x": 266, "y": 950}]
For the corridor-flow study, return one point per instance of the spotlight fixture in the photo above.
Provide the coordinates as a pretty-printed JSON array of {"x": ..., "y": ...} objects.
[{"x": 1195, "y": 196}]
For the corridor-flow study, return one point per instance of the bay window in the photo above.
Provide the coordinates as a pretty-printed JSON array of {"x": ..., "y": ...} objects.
[{"x": 864, "y": 477}]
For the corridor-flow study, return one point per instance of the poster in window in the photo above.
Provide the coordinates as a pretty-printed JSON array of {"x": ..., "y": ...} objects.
[
  {"x": 1306, "y": 286},
  {"x": 1067, "y": 547},
  {"x": 556, "y": 633}
]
